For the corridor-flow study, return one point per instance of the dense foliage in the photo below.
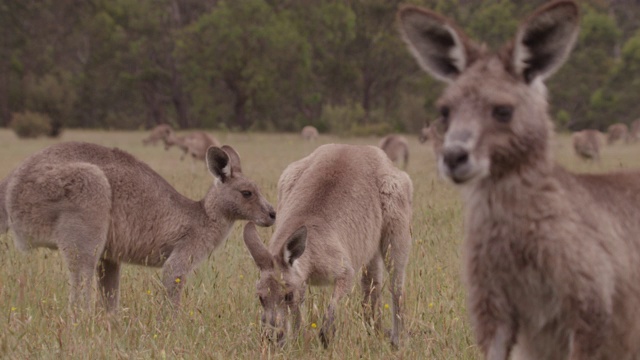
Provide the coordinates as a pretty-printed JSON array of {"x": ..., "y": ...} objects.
[{"x": 279, "y": 64}]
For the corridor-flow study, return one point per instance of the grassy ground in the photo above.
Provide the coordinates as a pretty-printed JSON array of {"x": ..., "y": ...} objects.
[{"x": 220, "y": 313}]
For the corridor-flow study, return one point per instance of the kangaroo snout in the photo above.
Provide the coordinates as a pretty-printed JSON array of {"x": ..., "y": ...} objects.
[
  {"x": 269, "y": 217},
  {"x": 455, "y": 157}
]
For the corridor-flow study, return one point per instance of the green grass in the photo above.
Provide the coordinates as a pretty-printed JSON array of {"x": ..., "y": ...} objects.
[{"x": 219, "y": 317}]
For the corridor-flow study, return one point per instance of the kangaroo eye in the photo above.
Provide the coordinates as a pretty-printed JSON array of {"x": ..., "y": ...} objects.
[
  {"x": 442, "y": 124},
  {"x": 288, "y": 297},
  {"x": 246, "y": 194},
  {"x": 502, "y": 114},
  {"x": 444, "y": 112}
]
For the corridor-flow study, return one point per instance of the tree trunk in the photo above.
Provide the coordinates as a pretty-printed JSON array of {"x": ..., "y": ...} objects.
[
  {"x": 155, "y": 111},
  {"x": 178, "y": 96},
  {"x": 367, "y": 83},
  {"x": 241, "y": 99},
  {"x": 179, "y": 99},
  {"x": 240, "y": 113},
  {"x": 5, "y": 112}
]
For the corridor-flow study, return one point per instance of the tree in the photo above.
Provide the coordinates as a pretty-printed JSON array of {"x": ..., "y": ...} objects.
[
  {"x": 586, "y": 70},
  {"x": 246, "y": 55}
]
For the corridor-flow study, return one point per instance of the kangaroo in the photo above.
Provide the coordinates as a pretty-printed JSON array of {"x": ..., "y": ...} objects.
[
  {"x": 617, "y": 132},
  {"x": 309, "y": 133},
  {"x": 586, "y": 144},
  {"x": 551, "y": 258},
  {"x": 396, "y": 147},
  {"x": 432, "y": 131},
  {"x": 158, "y": 133},
  {"x": 194, "y": 144},
  {"x": 102, "y": 207},
  {"x": 341, "y": 208}
]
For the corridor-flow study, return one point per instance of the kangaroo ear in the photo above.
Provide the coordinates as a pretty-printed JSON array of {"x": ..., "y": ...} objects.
[
  {"x": 234, "y": 158},
  {"x": 258, "y": 251},
  {"x": 545, "y": 39},
  {"x": 439, "y": 46},
  {"x": 295, "y": 246},
  {"x": 218, "y": 163}
]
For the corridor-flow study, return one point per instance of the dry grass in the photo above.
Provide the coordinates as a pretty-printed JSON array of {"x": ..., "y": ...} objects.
[{"x": 220, "y": 313}]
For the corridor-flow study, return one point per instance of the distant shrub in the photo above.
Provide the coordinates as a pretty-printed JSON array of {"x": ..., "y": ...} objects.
[
  {"x": 53, "y": 95},
  {"x": 341, "y": 118},
  {"x": 562, "y": 120},
  {"x": 378, "y": 129},
  {"x": 30, "y": 124}
]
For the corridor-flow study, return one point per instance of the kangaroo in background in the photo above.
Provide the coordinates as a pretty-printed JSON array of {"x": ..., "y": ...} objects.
[
  {"x": 397, "y": 148},
  {"x": 586, "y": 144},
  {"x": 617, "y": 132},
  {"x": 158, "y": 133},
  {"x": 309, "y": 133},
  {"x": 194, "y": 144}
]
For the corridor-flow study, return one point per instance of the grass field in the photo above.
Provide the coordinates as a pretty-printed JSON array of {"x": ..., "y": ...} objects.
[{"x": 220, "y": 314}]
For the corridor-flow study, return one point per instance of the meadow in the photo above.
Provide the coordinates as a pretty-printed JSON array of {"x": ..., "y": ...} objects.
[{"x": 220, "y": 314}]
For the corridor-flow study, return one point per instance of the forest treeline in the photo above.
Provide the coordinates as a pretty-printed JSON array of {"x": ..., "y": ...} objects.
[{"x": 279, "y": 64}]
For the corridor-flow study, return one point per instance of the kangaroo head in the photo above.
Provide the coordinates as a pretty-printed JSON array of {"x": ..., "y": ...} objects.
[
  {"x": 170, "y": 139},
  {"x": 494, "y": 109},
  {"x": 281, "y": 287},
  {"x": 235, "y": 195}
]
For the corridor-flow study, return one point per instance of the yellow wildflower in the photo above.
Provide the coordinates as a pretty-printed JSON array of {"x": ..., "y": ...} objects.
[
  {"x": 177, "y": 280},
  {"x": 148, "y": 292},
  {"x": 313, "y": 325},
  {"x": 155, "y": 336},
  {"x": 13, "y": 308},
  {"x": 430, "y": 305},
  {"x": 386, "y": 306}
]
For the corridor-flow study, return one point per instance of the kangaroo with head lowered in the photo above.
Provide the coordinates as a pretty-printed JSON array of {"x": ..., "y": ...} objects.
[
  {"x": 396, "y": 147},
  {"x": 194, "y": 144},
  {"x": 102, "y": 207},
  {"x": 158, "y": 133},
  {"x": 340, "y": 209},
  {"x": 552, "y": 258}
]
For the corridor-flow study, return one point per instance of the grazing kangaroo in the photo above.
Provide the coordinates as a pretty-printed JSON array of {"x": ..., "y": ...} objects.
[
  {"x": 617, "y": 132},
  {"x": 552, "y": 258},
  {"x": 340, "y": 209},
  {"x": 586, "y": 144},
  {"x": 194, "y": 144},
  {"x": 396, "y": 147},
  {"x": 309, "y": 133},
  {"x": 102, "y": 207},
  {"x": 158, "y": 133}
]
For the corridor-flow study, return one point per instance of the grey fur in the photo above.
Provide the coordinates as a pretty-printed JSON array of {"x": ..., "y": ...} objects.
[
  {"x": 158, "y": 133},
  {"x": 586, "y": 144},
  {"x": 552, "y": 258},
  {"x": 102, "y": 207},
  {"x": 397, "y": 148},
  {"x": 340, "y": 209},
  {"x": 194, "y": 144},
  {"x": 617, "y": 132},
  {"x": 309, "y": 133}
]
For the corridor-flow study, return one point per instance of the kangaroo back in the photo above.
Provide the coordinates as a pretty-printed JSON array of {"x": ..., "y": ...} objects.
[{"x": 4, "y": 219}]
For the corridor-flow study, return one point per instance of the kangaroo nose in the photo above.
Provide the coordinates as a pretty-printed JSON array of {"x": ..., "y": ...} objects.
[
  {"x": 455, "y": 157},
  {"x": 272, "y": 214}
]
